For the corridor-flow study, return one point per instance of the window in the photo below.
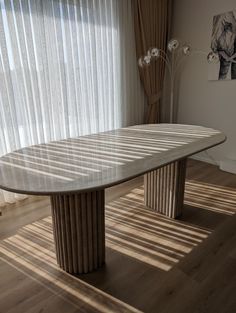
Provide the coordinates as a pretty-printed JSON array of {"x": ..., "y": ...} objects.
[{"x": 67, "y": 68}]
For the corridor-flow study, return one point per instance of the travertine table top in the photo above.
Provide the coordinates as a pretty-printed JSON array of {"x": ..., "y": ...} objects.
[{"x": 101, "y": 160}]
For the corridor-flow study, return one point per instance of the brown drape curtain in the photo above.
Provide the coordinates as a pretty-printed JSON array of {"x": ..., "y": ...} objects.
[{"x": 152, "y": 28}]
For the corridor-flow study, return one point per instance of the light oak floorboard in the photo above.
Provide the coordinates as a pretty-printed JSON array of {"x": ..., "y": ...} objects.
[{"x": 153, "y": 264}]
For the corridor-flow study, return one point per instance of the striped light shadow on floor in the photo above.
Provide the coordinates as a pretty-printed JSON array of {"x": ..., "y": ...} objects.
[
  {"x": 30, "y": 253},
  {"x": 220, "y": 199},
  {"x": 132, "y": 231},
  {"x": 140, "y": 233}
]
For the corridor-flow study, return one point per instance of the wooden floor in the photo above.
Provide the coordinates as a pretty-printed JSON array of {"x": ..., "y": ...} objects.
[{"x": 154, "y": 264}]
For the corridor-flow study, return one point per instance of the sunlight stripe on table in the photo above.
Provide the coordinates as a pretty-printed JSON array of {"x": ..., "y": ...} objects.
[{"x": 28, "y": 169}]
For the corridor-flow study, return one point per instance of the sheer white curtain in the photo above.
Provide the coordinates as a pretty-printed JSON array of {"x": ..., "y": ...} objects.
[{"x": 67, "y": 68}]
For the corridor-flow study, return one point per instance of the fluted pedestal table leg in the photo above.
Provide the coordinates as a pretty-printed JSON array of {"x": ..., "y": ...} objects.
[
  {"x": 164, "y": 189},
  {"x": 79, "y": 231}
]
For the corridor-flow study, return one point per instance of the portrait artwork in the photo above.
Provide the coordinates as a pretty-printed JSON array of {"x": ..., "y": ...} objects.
[{"x": 223, "y": 43}]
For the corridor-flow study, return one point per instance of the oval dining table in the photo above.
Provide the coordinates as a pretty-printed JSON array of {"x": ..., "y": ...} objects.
[{"x": 74, "y": 172}]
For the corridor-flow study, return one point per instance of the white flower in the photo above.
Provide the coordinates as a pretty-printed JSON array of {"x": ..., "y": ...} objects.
[
  {"x": 186, "y": 49},
  {"x": 144, "y": 61},
  {"x": 140, "y": 62},
  {"x": 173, "y": 44},
  {"x": 147, "y": 59},
  {"x": 212, "y": 57},
  {"x": 154, "y": 52}
]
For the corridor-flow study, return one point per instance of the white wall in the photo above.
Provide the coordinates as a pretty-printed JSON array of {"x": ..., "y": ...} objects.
[{"x": 203, "y": 102}]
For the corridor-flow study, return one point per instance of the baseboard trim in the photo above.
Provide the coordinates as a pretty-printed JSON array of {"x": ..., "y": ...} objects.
[
  {"x": 203, "y": 159},
  {"x": 228, "y": 166}
]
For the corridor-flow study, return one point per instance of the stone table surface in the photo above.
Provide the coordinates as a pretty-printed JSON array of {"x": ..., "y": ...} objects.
[{"x": 101, "y": 160}]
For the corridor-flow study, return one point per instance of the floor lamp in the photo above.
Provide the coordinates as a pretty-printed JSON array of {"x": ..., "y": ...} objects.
[{"x": 173, "y": 59}]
